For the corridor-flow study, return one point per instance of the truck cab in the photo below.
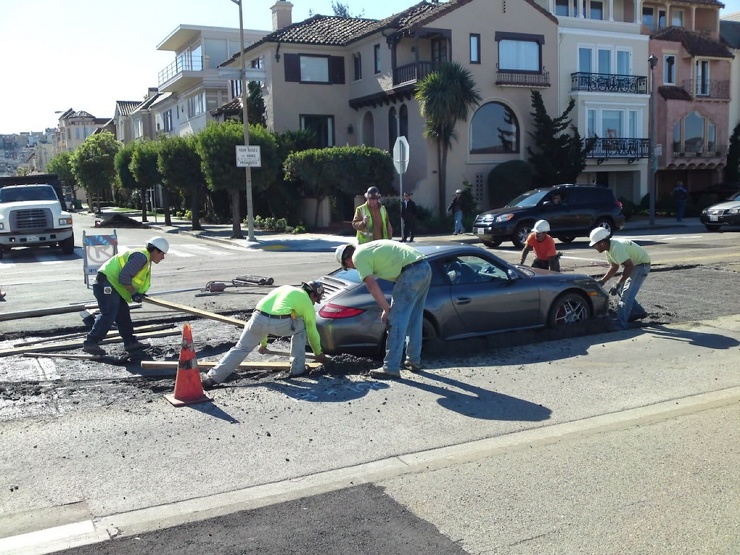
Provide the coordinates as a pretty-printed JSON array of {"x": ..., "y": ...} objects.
[{"x": 32, "y": 215}]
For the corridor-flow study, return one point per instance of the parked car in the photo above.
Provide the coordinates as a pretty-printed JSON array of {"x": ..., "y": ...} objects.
[
  {"x": 581, "y": 209},
  {"x": 720, "y": 191},
  {"x": 473, "y": 293},
  {"x": 722, "y": 214}
]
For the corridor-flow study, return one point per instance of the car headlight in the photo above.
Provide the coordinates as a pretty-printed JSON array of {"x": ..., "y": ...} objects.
[
  {"x": 65, "y": 221},
  {"x": 503, "y": 217}
]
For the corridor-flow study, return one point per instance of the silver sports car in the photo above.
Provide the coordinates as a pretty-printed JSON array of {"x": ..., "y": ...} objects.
[{"x": 473, "y": 292}]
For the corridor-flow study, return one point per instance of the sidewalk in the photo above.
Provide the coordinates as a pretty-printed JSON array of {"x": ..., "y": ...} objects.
[{"x": 270, "y": 240}]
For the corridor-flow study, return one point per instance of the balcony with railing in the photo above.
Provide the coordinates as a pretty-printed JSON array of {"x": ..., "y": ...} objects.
[
  {"x": 698, "y": 89},
  {"x": 410, "y": 73},
  {"x": 629, "y": 149},
  {"x": 523, "y": 79},
  {"x": 606, "y": 82},
  {"x": 185, "y": 71}
]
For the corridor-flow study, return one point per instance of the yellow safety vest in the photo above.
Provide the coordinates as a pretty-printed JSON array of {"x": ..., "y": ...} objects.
[
  {"x": 141, "y": 281},
  {"x": 366, "y": 235}
]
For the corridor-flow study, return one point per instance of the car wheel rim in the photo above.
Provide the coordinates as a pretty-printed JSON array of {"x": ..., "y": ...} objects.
[{"x": 570, "y": 312}]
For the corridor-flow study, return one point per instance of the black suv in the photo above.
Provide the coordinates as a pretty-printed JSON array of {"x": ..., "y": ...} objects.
[{"x": 571, "y": 210}]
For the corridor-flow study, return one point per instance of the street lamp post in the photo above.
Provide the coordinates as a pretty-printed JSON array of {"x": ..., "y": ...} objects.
[
  {"x": 652, "y": 61},
  {"x": 248, "y": 170}
]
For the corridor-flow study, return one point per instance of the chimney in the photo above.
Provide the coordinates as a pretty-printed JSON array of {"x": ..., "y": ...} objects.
[
  {"x": 282, "y": 14},
  {"x": 153, "y": 91}
]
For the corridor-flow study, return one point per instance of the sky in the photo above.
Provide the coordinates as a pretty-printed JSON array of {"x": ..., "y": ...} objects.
[{"x": 88, "y": 54}]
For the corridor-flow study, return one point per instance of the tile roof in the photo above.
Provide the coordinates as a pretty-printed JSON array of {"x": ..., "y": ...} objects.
[
  {"x": 125, "y": 107},
  {"x": 729, "y": 32},
  {"x": 694, "y": 43},
  {"x": 341, "y": 31},
  {"x": 232, "y": 107},
  {"x": 673, "y": 93}
]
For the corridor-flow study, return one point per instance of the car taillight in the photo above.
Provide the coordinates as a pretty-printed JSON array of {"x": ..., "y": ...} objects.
[
  {"x": 337, "y": 311},
  {"x": 619, "y": 204}
]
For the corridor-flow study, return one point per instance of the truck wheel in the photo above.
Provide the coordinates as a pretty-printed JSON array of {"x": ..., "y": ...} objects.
[{"x": 68, "y": 245}]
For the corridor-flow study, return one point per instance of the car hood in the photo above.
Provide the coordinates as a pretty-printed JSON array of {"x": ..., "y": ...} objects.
[
  {"x": 725, "y": 205},
  {"x": 505, "y": 210}
]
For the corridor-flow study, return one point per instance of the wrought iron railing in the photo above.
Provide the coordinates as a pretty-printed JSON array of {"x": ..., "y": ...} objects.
[
  {"x": 412, "y": 72},
  {"x": 517, "y": 79},
  {"x": 606, "y": 82},
  {"x": 183, "y": 63},
  {"x": 631, "y": 149},
  {"x": 707, "y": 89}
]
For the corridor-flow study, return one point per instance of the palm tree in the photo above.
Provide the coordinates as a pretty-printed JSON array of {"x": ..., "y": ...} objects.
[{"x": 445, "y": 97}]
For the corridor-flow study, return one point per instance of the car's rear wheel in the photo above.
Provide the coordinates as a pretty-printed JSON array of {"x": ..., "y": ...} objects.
[
  {"x": 2, "y": 252},
  {"x": 712, "y": 227},
  {"x": 492, "y": 244},
  {"x": 521, "y": 232},
  {"x": 568, "y": 308},
  {"x": 606, "y": 223},
  {"x": 567, "y": 239}
]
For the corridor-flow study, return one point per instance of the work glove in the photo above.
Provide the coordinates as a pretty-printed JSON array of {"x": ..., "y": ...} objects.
[
  {"x": 138, "y": 297},
  {"x": 614, "y": 290}
]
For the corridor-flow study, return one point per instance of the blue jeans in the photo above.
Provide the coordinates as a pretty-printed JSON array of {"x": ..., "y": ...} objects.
[
  {"x": 458, "y": 222},
  {"x": 112, "y": 309},
  {"x": 406, "y": 318},
  {"x": 628, "y": 304},
  {"x": 257, "y": 327},
  {"x": 680, "y": 209}
]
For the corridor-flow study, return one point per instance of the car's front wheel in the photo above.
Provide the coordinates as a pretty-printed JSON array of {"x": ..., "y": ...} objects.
[
  {"x": 567, "y": 239},
  {"x": 428, "y": 331},
  {"x": 606, "y": 223},
  {"x": 712, "y": 227},
  {"x": 521, "y": 232},
  {"x": 568, "y": 308},
  {"x": 492, "y": 244}
]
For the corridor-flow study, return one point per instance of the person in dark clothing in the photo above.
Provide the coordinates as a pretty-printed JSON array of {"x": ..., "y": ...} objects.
[
  {"x": 680, "y": 195},
  {"x": 457, "y": 207},
  {"x": 408, "y": 215}
]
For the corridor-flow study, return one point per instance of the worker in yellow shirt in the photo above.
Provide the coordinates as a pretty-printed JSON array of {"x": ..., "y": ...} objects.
[{"x": 285, "y": 311}]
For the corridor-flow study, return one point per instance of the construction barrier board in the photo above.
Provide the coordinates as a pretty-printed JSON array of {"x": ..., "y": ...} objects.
[{"x": 98, "y": 250}]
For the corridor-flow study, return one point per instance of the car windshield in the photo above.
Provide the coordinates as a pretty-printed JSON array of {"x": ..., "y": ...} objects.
[
  {"x": 531, "y": 198},
  {"x": 15, "y": 194}
]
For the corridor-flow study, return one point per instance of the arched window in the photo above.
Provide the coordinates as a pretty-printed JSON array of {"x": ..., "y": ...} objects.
[
  {"x": 694, "y": 134},
  {"x": 494, "y": 129},
  {"x": 392, "y": 128},
  {"x": 403, "y": 121}
]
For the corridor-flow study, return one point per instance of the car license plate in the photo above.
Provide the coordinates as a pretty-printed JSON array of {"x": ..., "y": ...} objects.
[
  {"x": 33, "y": 238},
  {"x": 713, "y": 218},
  {"x": 479, "y": 231}
]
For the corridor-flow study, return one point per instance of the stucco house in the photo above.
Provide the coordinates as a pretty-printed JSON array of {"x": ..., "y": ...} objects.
[{"x": 352, "y": 81}]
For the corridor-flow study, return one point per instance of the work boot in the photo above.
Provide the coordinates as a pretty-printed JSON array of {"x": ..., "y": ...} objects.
[
  {"x": 298, "y": 372},
  {"x": 93, "y": 349},
  {"x": 383, "y": 373},
  {"x": 135, "y": 346},
  {"x": 413, "y": 366},
  {"x": 208, "y": 383}
]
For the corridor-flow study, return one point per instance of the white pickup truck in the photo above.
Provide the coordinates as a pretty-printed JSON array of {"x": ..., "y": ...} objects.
[{"x": 32, "y": 216}]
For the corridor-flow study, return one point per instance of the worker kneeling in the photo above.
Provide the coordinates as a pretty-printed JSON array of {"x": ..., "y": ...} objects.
[
  {"x": 546, "y": 257},
  {"x": 285, "y": 311}
]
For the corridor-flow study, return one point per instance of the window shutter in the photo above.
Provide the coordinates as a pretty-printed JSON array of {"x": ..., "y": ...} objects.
[
  {"x": 336, "y": 67},
  {"x": 292, "y": 64}
]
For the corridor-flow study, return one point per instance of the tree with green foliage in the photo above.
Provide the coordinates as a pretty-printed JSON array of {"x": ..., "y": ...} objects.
[
  {"x": 144, "y": 168},
  {"x": 508, "y": 180},
  {"x": 61, "y": 165},
  {"x": 126, "y": 179},
  {"x": 445, "y": 97},
  {"x": 256, "y": 112},
  {"x": 558, "y": 157},
  {"x": 180, "y": 167},
  {"x": 732, "y": 170},
  {"x": 93, "y": 164},
  {"x": 323, "y": 172}
]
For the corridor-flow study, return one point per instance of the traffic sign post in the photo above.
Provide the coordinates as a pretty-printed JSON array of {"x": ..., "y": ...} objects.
[{"x": 401, "y": 163}]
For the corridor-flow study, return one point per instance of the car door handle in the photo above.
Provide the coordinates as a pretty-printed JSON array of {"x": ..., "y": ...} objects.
[{"x": 463, "y": 300}]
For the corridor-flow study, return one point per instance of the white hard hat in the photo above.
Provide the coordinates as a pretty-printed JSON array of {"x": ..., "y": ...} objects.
[
  {"x": 160, "y": 243},
  {"x": 598, "y": 234},
  {"x": 459, "y": 191},
  {"x": 339, "y": 253},
  {"x": 541, "y": 226}
]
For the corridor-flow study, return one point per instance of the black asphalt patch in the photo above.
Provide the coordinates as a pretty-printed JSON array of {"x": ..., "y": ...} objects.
[{"x": 360, "y": 519}]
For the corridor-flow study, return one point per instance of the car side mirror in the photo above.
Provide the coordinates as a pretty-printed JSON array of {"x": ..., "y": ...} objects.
[
  {"x": 547, "y": 204},
  {"x": 513, "y": 276}
]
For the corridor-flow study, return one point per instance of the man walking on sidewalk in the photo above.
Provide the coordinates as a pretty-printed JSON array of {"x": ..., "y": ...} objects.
[
  {"x": 285, "y": 311},
  {"x": 412, "y": 274},
  {"x": 124, "y": 278}
]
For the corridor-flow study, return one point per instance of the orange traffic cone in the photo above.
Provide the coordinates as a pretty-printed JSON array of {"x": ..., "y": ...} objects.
[{"x": 188, "y": 388}]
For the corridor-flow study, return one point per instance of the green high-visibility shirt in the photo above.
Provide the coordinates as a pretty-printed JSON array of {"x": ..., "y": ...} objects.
[
  {"x": 287, "y": 299},
  {"x": 622, "y": 249}
]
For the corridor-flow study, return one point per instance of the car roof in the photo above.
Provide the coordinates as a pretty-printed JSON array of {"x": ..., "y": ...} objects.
[{"x": 445, "y": 247}]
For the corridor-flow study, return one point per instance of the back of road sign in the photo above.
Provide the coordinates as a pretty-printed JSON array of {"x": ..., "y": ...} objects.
[{"x": 98, "y": 249}]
